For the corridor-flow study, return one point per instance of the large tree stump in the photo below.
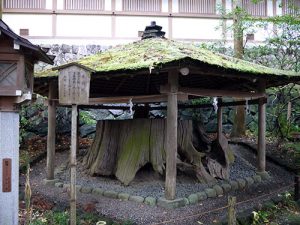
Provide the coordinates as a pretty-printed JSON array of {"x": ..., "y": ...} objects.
[{"x": 122, "y": 147}]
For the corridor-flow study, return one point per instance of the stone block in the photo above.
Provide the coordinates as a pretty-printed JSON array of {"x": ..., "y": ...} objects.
[
  {"x": 150, "y": 201},
  {"x": 264, "y": 175},
  {"x": 110, "y": 194},
  {"x": 78, "y": 188},
  {"x": 201, "y": 196},
  {"x": 249, "y": 181},
  {"x": 170, "y": 204},
  {"x": 218, "y": 189},
  {"x": 123, "y": 196},
  {"x": 97, "y": 191},
  {"x": 193, "y": 198},
  {"x": 186, "y": 201},
  {"x": 59, "y": 184},
  {"x": 210, "y": 192},
  {"x": 242, "y": 183},
  {"x": 86, "y": 190},
  {"x": 257, "y": 178},
  {"x": 50, "y": 182},
  {"x": 226, "y": 187},
  {"x": 234, "y": 185},
  {"x": 136, "y": 198}
]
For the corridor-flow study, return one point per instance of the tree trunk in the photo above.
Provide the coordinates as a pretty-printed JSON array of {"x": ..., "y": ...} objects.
[{"x": 122, "y": 147}]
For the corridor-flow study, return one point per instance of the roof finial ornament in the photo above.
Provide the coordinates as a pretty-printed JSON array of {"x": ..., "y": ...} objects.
[{"x": 153, "y": 31}]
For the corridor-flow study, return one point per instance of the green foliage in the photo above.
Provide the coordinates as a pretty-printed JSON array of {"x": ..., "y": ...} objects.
[{"x": 87, "y": 117}]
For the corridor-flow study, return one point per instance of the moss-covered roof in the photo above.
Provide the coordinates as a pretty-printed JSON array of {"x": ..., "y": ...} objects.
[{"x": 154, "y": 53}]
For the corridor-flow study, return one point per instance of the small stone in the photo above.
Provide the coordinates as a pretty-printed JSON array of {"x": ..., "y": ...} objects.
[
  {"x": 97, "y": 191},
  {"x": 59, "y": 184},
  {"x": 138, "y": 199},
  {"x": 186, "y": 201},
  {"x": 242, "y": 183},
  {"x": 78, "y": 188},
  {"x": 110, "y": 194},
  {"x": 218, "y": 189},
  {"x": 86, "y": 190},
  {"x": 211, "y": 193},
  {"x": 234, "y": 185},
  {"x": 257, "y": 178},
  {"x": 170, "y": 204},
  {"x": 193, "y": 198},
  {"x": 50, "y": 182},
  {"x": 201, "y": 196},
  {"x": 66, "y": 186},
  {"x": 150, "y": 201},
  {"x": 249, "y": 181},
  {"x": 123, "y": 196},
  {"x": 226, "y": 187}
]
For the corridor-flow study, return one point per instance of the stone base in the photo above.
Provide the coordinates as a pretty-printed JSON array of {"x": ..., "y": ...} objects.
[
  {"x": 50, "y": 182},
  {"x": 264, "y": 175},
  {"x": 170, "y": 204}
]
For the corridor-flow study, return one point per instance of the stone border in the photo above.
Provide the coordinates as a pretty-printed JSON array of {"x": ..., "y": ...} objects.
[{"x": 212, "y": 192}]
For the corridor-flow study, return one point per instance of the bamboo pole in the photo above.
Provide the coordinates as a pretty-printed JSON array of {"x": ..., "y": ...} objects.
[
  {"x": 73, "y": 166},
  {"x": 171, "y": 148},
  {"x": 231, "y": 210},
  {"x": 51, "y": 132}
]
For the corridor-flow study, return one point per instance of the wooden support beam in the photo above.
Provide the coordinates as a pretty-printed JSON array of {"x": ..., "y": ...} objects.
[
  {"x": 219, "y": 93},
  {"x": 261, "y": 136},
  {"x": 51, "y": 131},
  {"x": 220, "y": 119},
  {"x": 171, "y": 148}
]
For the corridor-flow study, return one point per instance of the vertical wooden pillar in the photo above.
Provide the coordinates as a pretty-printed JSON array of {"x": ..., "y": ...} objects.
[
  {"x": 51, "y": 131},
  {"x": 261, "y": 136},
  {"x": 171, "y": 146},
  {"x": 73, "y": 166},
  {"x": 220, "y": 119}
]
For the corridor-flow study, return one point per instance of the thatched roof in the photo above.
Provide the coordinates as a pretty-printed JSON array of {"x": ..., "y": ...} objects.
[{"x": 155, "y": 53}]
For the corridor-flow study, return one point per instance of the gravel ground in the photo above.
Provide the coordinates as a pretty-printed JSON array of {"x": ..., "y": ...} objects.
[{"x": 143, "y": 214}]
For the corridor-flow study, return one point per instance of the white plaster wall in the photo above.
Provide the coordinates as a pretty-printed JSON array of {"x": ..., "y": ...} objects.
[
  {"x": 278, "y": 7},
  {"x": 270, "y": 8},
  {"x": 118, "y": 5},
  {"x": 175, "y": 7},
  {"x": 83, "y": 26},
  {"x": 48, "y": 4},
  {"x": 185, "y": 28},
  {"x": 129, "y": 26},
  {"x": 107, "y": 5},
  {"x": 9, "y": 148},
  {"x": 228, "y": 5},
  {"x": 60, "y": 4},
  {"x": 165, "y": 6},
  {"x": 38, "y": 25}
]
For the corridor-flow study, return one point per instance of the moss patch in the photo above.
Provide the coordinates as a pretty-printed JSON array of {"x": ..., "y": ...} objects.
[{"x": 156, "y": 52}]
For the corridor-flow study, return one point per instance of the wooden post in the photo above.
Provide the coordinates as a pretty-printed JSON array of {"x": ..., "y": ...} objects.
[
  {"x": 220, "y": 119},
  {"x": 1, "y": 9},
  {"x": 73, "y": 166},
  {"x": 51, "y": 131},
  {"x": 261, "y": 136},
  {"x": 231, "y": 210},
  {"x": 289, "y": 112},
  {"x": 171, "y": 146}
]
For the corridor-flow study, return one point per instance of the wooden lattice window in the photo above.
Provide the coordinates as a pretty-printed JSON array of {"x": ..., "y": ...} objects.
[
  {"x": 142, "y": 5},
  {"x": 8, "y": 75},
  {"x": 255, "y": 9},
  {"x": 197, "y": 6},
  {"x": 90, "y": 5},
  {"x": 24, "y": 4},
  {"x": 291, "y": 7}
]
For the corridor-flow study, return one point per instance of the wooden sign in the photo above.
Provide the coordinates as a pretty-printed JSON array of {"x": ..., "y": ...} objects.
[
  {"x": 6, "y": 175},
  {"x": 74, "y": 85}
]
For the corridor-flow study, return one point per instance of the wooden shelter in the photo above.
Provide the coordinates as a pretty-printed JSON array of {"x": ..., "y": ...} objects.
[{"x": 161, "y": 70}]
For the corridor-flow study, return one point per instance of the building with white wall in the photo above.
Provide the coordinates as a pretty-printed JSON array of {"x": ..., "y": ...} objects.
[{"x": 110, "y": 22}]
